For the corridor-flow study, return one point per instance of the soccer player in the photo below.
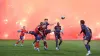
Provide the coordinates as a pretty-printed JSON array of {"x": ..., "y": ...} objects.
[
  {"x": 38, "y": 33},
  {"x": 39, "y": 27},
  {"x": 57, "y": 31},
  {"x": 22, "y": 33},
  {"x": 87, "y": 35},
  {"x": 46, "y": 31}
]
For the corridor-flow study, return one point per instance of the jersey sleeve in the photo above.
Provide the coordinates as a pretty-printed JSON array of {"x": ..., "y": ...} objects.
[{"x": 81, "y": 31}]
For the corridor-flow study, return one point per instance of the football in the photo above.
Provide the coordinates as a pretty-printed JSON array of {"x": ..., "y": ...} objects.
[{"x": 62, "y": 17}]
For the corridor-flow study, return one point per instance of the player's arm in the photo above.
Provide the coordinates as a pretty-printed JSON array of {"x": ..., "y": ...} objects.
[
  {"x": 41, "y": 33},
  {"x": 54, "y": 29},
  {"x": 26, "y": 32},
  {"x": 80, "y": 32},
  {"x": 51, "y": 24},
  {"x": 82, "y": 29},
  {"x": 90, "y": 31},
  {"x": 62, "y": 29}
]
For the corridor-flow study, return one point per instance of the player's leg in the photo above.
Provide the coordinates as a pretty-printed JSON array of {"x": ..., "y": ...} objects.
[
  {"x": 22, "y": 39},
  {"x": 34, "y": 41},
  {"x": 45, "y": 34},
  {"x": 86, "y": 43},
  {"x": 60, "y": 40},
  {"x": 45, "y": 43},
  {"x": 33, "y": 33},
  {"x": 89, "y": 42},
  {"x": 89, "y": 52},
  {"x": 59, "y": 37},
  {"x": 44, "y": 39},
  {"x": 56, "y": 39},
  {"x": 18, "y": 41},
  {"x": 37, "y": 43}
]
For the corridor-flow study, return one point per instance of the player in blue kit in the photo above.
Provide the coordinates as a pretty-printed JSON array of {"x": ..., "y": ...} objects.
[
  {"x": 57, "y": 31},
  {"x": 46, "y": 31},
  {"x": 87, "y": 35}
]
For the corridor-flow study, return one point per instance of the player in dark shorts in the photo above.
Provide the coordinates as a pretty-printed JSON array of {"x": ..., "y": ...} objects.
[
  {"x": 87, "y": 35},
  {"x": 46, "y": 31},
  {"x": 57, "y": 31}
]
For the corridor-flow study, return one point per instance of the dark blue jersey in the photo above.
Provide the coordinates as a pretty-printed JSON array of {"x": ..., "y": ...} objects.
[
  {"x": 85, "y": 30},
  {"x": 57, "y": 29},
  {"x": 46, "y": 23}
]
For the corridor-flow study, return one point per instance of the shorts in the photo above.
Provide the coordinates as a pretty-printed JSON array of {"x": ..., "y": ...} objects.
[
  {"x": 38, "y": 37},
  {"x": 87, "y": 38},
  {"x": 21, "y": 37},
  {"x": 57, "y": 36}
]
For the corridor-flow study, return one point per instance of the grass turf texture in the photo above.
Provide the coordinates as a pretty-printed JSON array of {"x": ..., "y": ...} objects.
[{"x": 68, "y": 48}]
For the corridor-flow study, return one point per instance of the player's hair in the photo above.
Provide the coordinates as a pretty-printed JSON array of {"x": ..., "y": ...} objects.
[
  {"x": 82, "y": 21},
  {"x": 41, "y": 23},
  {"x": 58, "y": 23},
  {"x": 45, "y": 19}
]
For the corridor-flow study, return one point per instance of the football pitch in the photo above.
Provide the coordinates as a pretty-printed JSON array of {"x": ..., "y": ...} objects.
[{"x": 68, "y": 48}]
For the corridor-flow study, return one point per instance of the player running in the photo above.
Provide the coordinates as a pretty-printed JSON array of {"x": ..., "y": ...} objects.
[
  {"x": 22, "y": 33},
  {"x": 87, "y": 35},
  {"x": 57, "y": 31}
]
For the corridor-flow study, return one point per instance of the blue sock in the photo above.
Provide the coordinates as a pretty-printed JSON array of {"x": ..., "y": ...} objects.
[
  {"x": 56, "y": 42},
  {"x": 87, "y": 47}
]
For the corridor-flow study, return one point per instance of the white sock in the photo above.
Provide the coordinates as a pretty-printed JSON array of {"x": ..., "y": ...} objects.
[
  {"x": 89, "y": 51},
  {"x": 38, "y": 49}
]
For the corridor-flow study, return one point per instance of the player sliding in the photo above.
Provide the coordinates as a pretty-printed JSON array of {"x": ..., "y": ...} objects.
[
  {"x": 22, "y": 33},
  {"x": 57, "y": 30},
  {"x": 87, "y": 35}
]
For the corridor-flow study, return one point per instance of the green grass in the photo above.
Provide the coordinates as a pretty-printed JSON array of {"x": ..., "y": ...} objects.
[{"x": 68, "y": 48}]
